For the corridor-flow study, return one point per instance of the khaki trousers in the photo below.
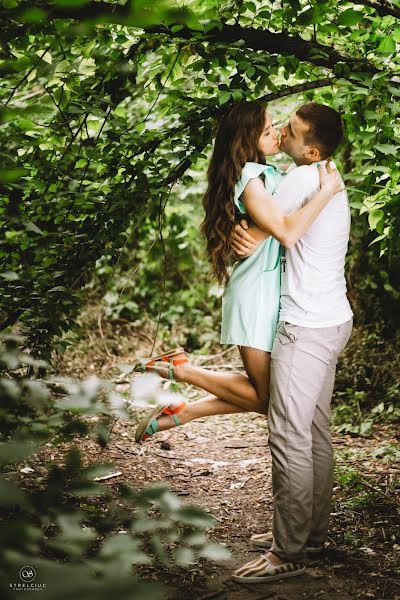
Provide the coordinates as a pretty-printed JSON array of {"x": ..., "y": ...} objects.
[{"x": 303, "y": 366}]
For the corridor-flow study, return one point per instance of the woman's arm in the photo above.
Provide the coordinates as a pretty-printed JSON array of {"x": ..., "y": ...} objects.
[{"x": 264, "y": 210}]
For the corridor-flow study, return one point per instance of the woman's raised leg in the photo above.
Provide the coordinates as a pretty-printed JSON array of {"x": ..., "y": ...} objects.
[
  {"x": 232, "y": 393},
  {"x": 248, "y": 392}
]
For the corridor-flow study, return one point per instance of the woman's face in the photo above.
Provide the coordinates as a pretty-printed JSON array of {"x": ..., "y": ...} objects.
[{"x": 269, "y": 139}]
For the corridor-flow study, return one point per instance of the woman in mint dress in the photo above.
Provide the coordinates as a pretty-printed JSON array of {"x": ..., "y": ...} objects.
[
  {"x": 250, "y": 304},
  {"x": 240, "y": 183}
]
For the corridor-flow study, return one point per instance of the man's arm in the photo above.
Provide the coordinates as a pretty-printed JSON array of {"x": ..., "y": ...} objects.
[
  {"x": 293, "y": 193},
  {"x": 266, "y": 211}
]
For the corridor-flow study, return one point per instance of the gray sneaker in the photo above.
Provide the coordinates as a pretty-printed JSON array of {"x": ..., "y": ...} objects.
[{"x": 264, "y": 540}]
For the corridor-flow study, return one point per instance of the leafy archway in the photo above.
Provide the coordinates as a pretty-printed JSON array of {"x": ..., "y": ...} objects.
[{"x": 105, "y": 106}]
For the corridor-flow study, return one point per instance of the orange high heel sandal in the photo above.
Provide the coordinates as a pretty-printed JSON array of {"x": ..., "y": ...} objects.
[
  {"x": 148, "y": 426},
  {"x": 173, "y": 358}
]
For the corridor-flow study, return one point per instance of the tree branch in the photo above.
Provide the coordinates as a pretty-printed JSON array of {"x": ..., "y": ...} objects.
[
  {"x": 273, "y": 43},
  {"x": 213, "y": 111},
  {"x": 382, "y": 7},
  {"x": 296, "y": 89},
  {"x": 256, "y": 39},
  {"x": 25, "y": 77}
]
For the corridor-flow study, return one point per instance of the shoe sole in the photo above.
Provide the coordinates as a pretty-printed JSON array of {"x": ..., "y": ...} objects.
[
  {"x": 309, "y": 551},
  {"x": 169, "y": 353},
  {"x": 145, "y": 422},
  {"x": 243, "y": 579}
]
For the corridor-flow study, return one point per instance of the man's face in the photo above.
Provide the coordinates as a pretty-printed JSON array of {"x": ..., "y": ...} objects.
[{"x": 292, "y": 140}]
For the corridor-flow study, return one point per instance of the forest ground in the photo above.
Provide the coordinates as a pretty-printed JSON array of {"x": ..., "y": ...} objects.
[{"x": 223, "y": 464}]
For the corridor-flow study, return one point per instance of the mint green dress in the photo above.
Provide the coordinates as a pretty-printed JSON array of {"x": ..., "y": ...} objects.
[{"x": 250, "y": 304}]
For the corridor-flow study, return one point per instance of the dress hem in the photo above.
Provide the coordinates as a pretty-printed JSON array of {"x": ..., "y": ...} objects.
[{"x": 247, "y": 345}]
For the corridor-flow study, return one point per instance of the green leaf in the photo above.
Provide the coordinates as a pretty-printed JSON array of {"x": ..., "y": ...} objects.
[
  {"x": 119, "y": 544},
  {"x": 10, "y": 3},
  {"x": 26, "y": 124},
  {"x": 387, "y": 45},
  {"x": 387, "y": 149},
  {"x": 184, "y": 557},
  {"x": 32, "y": 227},
  {"x": 11, "y": 495},
  {"x": 350, "y": 17},
  {"x": 34, "y": 15},
  {"x": 375, "y": 217},
  {"x": 74, "y": 538},
  {"x": 87, "y": 67},
  {"x": 238, "y": 95},
  {"x": 196, "y": 516},
  {"x": 215, "y": 552},
  {"x": 16, "y": 451},
  {"x": 9, "y": 175},
  {"x": 224, "y": 97},
  {"x": 310, "y": 16},
  {"x": 194, "y": 538},
  {"x": 9, "y": 275},
  {"x": 46, "y": 57},
  {"x": 251, "y": 7},
  {"x": 71, "y": 2}
]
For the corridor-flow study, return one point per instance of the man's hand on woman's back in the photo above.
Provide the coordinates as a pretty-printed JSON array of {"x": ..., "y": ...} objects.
[{"x": 243, "y": 244}]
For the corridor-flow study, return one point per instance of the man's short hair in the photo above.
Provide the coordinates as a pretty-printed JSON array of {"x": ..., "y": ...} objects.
[{"x": 325, "y": 127}]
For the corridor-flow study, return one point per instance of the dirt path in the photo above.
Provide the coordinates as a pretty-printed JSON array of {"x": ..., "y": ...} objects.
[{"x": 223, "y": 464}]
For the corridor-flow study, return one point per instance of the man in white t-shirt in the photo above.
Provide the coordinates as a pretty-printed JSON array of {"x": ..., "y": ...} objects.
[{"x": 315, "y": 324}]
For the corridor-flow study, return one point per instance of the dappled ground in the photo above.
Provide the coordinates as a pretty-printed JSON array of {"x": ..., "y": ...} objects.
[{"x": 223, "y": 464}]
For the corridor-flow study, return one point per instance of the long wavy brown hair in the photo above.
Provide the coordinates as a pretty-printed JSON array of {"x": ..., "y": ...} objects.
[{"x": 236, "y": 143}]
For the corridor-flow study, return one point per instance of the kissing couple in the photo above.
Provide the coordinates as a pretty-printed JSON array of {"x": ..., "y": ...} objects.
[{"x": 284, "y": 306}]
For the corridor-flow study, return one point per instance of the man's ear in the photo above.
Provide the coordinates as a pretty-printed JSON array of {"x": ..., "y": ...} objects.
[{"x": 313, "y": 153}]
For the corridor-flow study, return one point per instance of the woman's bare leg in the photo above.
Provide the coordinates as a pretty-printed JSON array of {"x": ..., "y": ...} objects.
[
  {"x": 232, "y": 387},
  {"x": 232, "y": 393},
  {"x": 257, "y": 365},
  {"x": 205, "y": 407}
]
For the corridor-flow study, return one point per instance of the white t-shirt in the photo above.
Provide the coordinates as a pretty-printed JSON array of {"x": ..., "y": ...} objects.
[{"x": 313, "y": 282}]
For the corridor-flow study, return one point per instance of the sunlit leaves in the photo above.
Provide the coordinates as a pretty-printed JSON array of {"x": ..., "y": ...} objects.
[
  {"x": 63, "y": 521},
  {"x": 387, "y": 45},
  {"x": 100, "y": 114},
  {"x": 350, "y": 17},
  {"x": 311, "y": 16}
]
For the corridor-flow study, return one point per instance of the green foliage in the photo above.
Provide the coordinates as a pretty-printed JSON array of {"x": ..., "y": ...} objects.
[
  {"x": 366, "y": 497},
  {"x": 105, "y": 107},
  {"x": 348, "y": 417},
  {"x": 368, "y": 374},
  {"x": 360, "y": 491},
  {"x": 83, "y": 539},
  {"x": 168, "y": 279},
  {"x": 100, "y": 118},
  {"x": 352, "y": 415}
]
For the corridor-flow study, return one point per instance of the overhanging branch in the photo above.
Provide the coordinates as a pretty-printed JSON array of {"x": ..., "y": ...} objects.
[
  {"x": 213, "y": 111},
  {"x": 199, "y": 115},
  {"x": 273, "y": 43},
  {"x": 383, "y": 8},
  {"x": 256, "y": 39},
  {"x": 296, "y": 89}
]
